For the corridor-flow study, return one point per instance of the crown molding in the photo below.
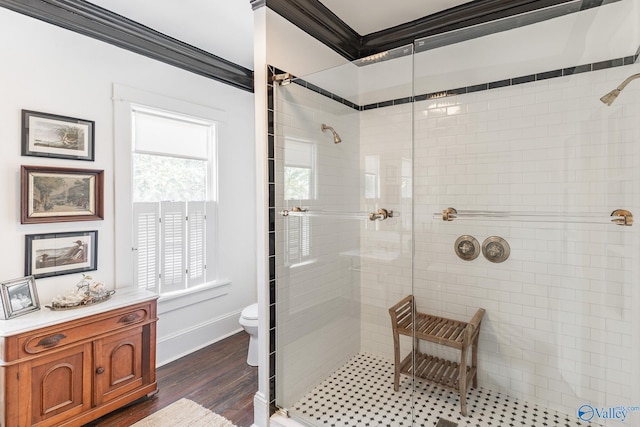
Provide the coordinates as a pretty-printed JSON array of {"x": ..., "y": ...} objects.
[
  {"x": 90, "y": 20},
  {"x": 315, "y": 19},
  {"x": 469, "y": 15},
  {"x": 257, "y": 4}
]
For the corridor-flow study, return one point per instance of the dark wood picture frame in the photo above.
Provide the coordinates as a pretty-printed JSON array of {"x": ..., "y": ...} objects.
[
  {"x": 56, "y": 254},
  {"x": 19, "y": 296},
  {"x": 50, "y": 194},
  {"x": 55, "y": 136}
]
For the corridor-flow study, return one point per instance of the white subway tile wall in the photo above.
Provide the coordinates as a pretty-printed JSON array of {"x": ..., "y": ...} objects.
[
  {"x": 562, "y": 313},
  {"x": 561, "y": 327}
]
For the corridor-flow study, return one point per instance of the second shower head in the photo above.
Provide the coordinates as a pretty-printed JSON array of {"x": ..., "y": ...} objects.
[
  {"x": 611, "y": 96},
  {"x": 336, "y": 137}
]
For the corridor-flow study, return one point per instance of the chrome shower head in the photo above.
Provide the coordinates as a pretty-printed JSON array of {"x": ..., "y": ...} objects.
[
  {"x": 336, "y": 137},
  {"x": 611, "y": 96}
]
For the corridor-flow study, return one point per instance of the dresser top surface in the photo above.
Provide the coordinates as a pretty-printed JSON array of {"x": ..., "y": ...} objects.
[{"x": 47, "y": 317}]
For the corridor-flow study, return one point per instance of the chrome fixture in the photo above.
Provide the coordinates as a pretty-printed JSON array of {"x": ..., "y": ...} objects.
[
  {"x": 282, "y": 79},
  {"x": 467, "y": 247},
  {"x": 380, "y": 214},
  {"x": 495, "y": 249},
  {"x": 336, "y": 137},
  {"x": 611, "y": 96},
  {"x": 618, "y": 216},
  {"x": 622, "y": 217}
]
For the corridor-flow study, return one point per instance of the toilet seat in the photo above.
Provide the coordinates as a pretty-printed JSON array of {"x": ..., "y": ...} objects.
[{"x": 250, "y": 312}]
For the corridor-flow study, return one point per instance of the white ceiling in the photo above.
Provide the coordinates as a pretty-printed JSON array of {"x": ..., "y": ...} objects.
[
  {"x": 225, "y": 28},
  {"x": 369, "y": 16}
]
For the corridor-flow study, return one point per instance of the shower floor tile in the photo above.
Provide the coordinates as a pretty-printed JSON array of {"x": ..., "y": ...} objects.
[{"x": 361, "y": 394}]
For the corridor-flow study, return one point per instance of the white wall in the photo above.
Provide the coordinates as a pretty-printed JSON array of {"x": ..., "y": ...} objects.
[
  {"x": 279, "y": 43},
  {"x": 292, "y": 50},
  {"x": 53, "y": 70}
]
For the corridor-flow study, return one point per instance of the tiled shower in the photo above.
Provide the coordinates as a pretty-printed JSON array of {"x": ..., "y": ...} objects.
[{"x": 531, "y": 157}]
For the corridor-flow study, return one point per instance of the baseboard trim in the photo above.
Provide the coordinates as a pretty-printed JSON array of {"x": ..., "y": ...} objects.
[
  {"x": 260, "y": 411},
  {"x": 185, "y": 341}
]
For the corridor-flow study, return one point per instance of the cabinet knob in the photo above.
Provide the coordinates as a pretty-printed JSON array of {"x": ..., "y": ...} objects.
[{"x": 100, "y": 371}]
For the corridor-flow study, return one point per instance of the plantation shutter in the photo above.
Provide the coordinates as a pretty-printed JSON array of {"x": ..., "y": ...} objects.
[
  {"x": 196, "y": 249},
  {"x": 173, "y": 235},
  {"x": 146, "y": 245},
  {"x": 305, "y": 237},
  {"x": 211, "y": 240},
  {"x": 298, "y": 241},
  {"x": 292, "y": 230}
]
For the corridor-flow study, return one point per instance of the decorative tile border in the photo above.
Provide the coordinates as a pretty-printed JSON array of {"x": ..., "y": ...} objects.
[{"x": 271, "y": 150}]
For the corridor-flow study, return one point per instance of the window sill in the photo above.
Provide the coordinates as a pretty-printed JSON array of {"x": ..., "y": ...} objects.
[{"x": 181, "y": 299}]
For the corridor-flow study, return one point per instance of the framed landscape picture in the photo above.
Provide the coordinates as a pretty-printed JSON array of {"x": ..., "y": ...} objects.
[
  {"x": 60, "y": 194},
  {"x": 19, "y": 296},
  {"x": 56, "y": 254},
  {"x": 50, "y": 135}
]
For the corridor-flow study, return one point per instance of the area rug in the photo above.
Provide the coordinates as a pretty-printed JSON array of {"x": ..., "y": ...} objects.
[{"x": 184, "y": 413}]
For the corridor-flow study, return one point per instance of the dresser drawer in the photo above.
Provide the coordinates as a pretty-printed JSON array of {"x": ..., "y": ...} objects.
[{"x": 72, "y": 332}]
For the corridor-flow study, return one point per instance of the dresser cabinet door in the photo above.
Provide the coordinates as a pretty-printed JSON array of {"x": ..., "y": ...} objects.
[
  {"x": 59, "y": 386},
  {"x": 118, "y": 365}
]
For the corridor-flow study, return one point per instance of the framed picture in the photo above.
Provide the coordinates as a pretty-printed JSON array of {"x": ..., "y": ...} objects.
[
  {"x": 60, "y": 194},
  {"x": 55, "y": 254},
  {"x": 50, "y": 135},
  {"x": 19, "y": 296}
]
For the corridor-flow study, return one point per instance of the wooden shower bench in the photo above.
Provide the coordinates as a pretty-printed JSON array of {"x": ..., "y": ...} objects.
[{"x": 456, "y": 376}]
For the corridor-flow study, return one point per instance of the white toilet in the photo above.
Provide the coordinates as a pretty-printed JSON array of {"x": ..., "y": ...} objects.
[{"x": 249, "y": 321}]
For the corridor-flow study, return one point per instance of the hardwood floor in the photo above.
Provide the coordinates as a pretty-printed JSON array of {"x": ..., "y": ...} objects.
[{"x": 217, "y": 377}]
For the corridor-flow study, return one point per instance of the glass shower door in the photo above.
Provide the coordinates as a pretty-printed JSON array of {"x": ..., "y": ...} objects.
[
  {"x": 516, "y": 152},
  {"x": 343, "y": 239}
]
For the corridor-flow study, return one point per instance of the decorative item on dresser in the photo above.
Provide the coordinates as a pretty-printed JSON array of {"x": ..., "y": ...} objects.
[
  {"x": 66, "y": 368},
  {"x": 18, "y": 297}
]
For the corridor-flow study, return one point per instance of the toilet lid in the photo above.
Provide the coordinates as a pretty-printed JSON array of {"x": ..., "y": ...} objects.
[{"x": 250, "y": 312}]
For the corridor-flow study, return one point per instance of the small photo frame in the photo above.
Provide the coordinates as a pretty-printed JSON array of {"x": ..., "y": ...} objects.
[
  {"x": 56, "y": 254},
  {"x": 19, "y": 296},
  {"x": 54, "y": 136},
  {"x": 51, "y": 194}
]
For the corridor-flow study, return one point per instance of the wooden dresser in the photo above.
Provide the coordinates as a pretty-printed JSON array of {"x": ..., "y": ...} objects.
[{"x": 66, "y": 368}]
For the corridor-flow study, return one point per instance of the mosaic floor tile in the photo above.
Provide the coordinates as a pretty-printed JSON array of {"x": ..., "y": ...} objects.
[{"x": 360, "y": 394}]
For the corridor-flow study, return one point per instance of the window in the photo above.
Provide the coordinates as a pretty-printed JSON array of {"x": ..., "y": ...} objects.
[{"x": 173, "y": 170}]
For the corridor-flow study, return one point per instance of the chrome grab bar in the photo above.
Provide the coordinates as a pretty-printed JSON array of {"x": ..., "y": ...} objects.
[
  {"x": 618, "y": 216},
  {"x": 381, "y": 214}
]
